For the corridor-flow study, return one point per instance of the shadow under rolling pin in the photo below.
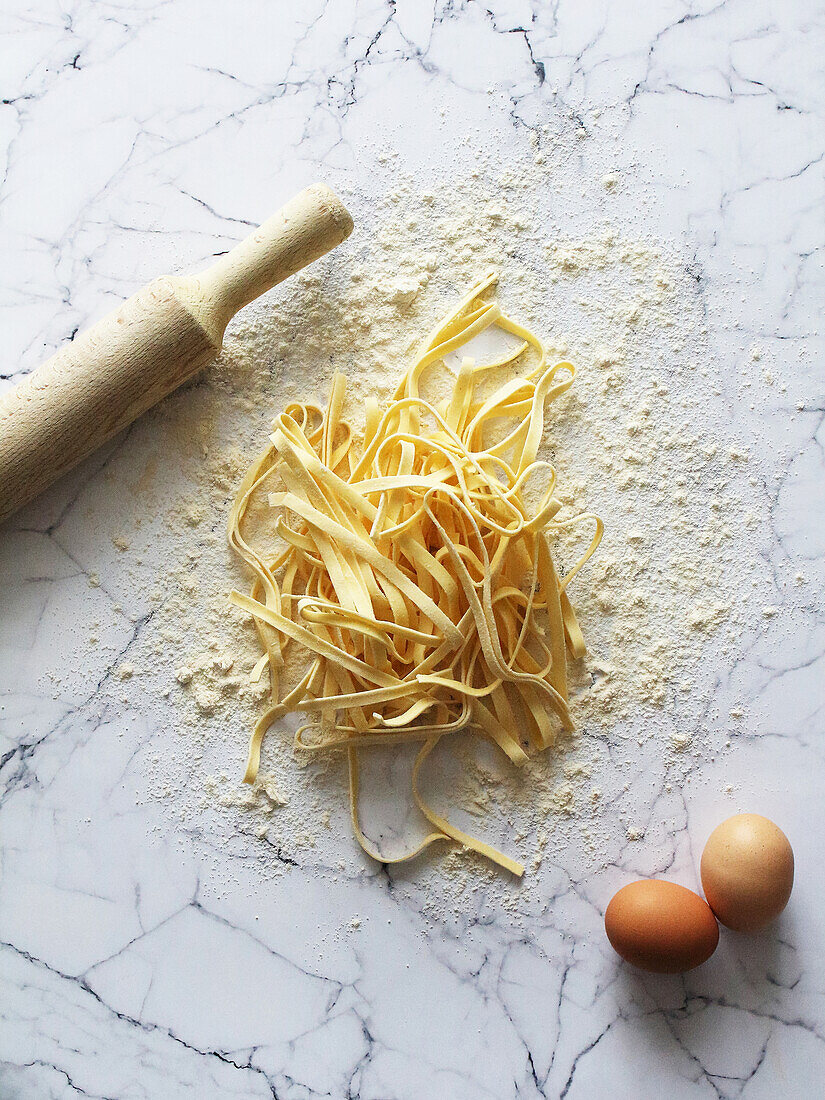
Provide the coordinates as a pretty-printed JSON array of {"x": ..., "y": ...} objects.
[{"x": 163, "y": 335}]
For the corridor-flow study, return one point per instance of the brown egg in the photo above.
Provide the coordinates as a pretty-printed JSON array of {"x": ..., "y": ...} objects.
[
  {"x": 661, "y": 927},
  {"x": 747, "y": 872}
]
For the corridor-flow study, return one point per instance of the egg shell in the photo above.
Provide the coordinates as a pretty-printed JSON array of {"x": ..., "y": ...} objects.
[
  {"x": 747, "y": 872},
  {"x": 661, "y": 927}
]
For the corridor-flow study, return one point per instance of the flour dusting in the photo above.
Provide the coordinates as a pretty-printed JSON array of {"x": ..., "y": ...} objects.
[{"x": 663, "y": 604}]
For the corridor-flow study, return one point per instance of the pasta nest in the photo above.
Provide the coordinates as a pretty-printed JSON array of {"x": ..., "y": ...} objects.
[{"x": 409, "y": 567}]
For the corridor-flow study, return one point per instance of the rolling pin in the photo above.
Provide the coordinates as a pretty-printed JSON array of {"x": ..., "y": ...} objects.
[{"x": 122, "y": 366}]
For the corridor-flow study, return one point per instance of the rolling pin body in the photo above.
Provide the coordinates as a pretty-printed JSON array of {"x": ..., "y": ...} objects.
[{"x": 150, "y": 345}]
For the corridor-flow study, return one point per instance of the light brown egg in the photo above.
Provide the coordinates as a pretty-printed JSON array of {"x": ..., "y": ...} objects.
[
  {"x": 661, "y": 927},
  {"x": 747, "y": 872}
]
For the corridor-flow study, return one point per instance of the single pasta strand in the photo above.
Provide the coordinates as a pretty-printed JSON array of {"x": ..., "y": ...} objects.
[{"x": 415, "y": 577}]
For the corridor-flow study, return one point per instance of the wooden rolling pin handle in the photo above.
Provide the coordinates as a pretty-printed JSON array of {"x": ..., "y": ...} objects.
[
  {"x": 150, "y": 345},
  {"x": 309, "y": 226}
]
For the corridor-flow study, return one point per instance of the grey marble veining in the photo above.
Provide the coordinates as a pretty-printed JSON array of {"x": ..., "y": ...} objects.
[{"x": 133, "y": 135}]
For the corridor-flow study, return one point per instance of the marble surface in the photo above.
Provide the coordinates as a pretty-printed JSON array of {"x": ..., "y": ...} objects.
[{"x": 136, "y": 136}]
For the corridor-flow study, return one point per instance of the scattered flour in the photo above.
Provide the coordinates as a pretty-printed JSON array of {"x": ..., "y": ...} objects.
[{"x": 660, "y": 603}]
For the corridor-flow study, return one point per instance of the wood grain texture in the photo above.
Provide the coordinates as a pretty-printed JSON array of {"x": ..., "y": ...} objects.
[
  {"x": 95, "y": 386},
  {"x": 149, "y": 346}
]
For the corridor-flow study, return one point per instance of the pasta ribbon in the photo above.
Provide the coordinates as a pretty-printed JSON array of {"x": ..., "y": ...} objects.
[{"x": 413, "y": 573}]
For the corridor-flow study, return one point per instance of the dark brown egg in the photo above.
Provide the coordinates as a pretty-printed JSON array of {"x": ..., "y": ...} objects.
[{"x": 661, "y": 927}]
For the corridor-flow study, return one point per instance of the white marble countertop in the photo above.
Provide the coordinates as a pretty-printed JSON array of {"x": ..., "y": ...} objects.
[{"x": 137, "y": 137}]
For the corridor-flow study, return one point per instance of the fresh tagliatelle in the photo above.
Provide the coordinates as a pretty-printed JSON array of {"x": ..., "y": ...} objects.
[{"x": 408, "y": 567}]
